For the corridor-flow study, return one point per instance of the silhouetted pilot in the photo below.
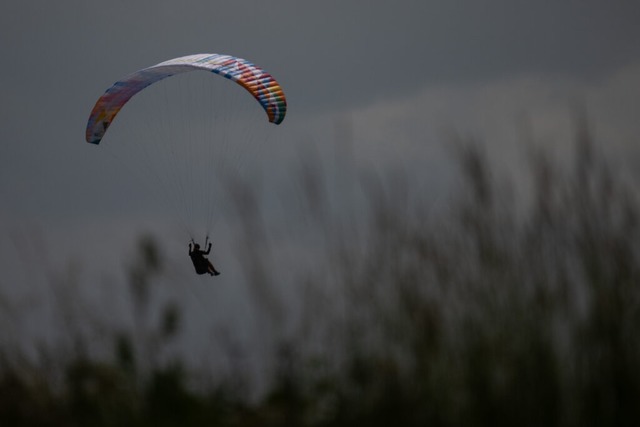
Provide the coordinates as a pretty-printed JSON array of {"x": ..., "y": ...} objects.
[{"x": 200, "y": 262}]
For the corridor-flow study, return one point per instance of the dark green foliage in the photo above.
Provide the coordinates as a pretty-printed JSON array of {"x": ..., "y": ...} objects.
[{"x": 502, "y": 311}]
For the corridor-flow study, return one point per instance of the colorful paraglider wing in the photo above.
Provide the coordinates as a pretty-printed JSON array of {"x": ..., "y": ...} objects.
[{"x": 264, "y": 88}]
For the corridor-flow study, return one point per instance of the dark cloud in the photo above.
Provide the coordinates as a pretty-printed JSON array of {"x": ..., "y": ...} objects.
[
  {"x": 330, "y": 53},
  {"x": 331, "y": 56}
]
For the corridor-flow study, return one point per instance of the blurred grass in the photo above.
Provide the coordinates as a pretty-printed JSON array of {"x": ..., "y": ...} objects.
[{"x": 501, "y": 310}]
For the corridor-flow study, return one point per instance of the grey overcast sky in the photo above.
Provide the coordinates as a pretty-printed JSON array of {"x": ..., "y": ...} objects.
[{"x": 398, "y": 70}]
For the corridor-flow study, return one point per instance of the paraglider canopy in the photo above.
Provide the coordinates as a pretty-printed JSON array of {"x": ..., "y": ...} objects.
[{"x": 264, "y": 88}]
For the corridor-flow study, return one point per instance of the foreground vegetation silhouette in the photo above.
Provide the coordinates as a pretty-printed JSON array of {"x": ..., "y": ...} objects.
[{"x": 507, "y": 308}]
